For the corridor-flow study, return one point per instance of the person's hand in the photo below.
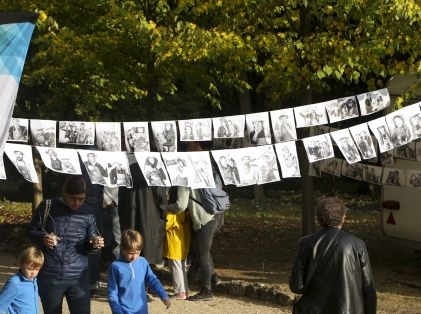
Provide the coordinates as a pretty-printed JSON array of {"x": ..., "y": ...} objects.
[
  {"x": 97, "y": 242},
  {"x": 167, "y": 303},
  {"x": 50, "y": 240}
]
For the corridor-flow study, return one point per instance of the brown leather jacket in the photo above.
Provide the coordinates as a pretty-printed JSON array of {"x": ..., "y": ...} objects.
[{"x": 332, "y": 272}]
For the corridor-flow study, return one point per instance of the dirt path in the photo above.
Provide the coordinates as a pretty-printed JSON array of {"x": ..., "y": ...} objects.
[{"x": 220, "y": 304}]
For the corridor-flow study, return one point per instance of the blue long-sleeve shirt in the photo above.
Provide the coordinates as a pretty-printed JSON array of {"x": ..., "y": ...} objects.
[
  {"x": 19, "y": 295},
  {"x": 126, "y": 286}
]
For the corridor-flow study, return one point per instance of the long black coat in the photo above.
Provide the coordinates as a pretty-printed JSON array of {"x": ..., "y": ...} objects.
[
  {"x": 332, "y": 272},
  {"x": 144, "y": 208}
]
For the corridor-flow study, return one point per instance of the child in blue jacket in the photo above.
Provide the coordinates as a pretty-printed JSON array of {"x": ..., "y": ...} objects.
[
  {"x": 128, "y": 277},
  {"x": 20, "y": 294}
]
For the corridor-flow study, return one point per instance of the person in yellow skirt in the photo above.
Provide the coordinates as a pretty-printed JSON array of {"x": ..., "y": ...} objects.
[{"x": 177, "y": 241}]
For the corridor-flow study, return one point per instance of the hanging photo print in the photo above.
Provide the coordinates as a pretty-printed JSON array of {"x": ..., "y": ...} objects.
[
  {"x": 62, "y": 160},
  {"x": 76, "y": 132},
  {"x": 414, "y": 113},
  {"x": 21, "y": 156},
  {"x": 363, "y": 140},
  {"x": 381, "y": 132},
  {"x": 136, "y": 136},
  {"x": 2, "y": 170},
  {"x": 332, "y": 166},
  {"x": 153, "y": 168},
  {"x": 373, "y": 101},
  {"x": 288, "y": 159},
  {"x": 195, "y": 130},
  {"x": 267, "y": 164},
  {"x": 375, "y": 159},
  {"x": 258, "y": 128},
  {"x": 346, "y": 145},
  {"x": 227, "y": 166},
  {"x": 413, "y": 178},
  {"x": 392, "y": 176},
  {"x": 354, "y": 171},
  {"x": 165, "y": 135},
  {"x": 201, "y": 170},
  {"x": 372, "y": 174},
  {"x": 407, "y": 151},
  {"x": 310, "y": 115},
  {"x": 107, "y": 168},
  {"x": 43, "y": 133},
  {"x": 18, "y": 130},
  {"x": 283, "y": 125},
  {"x": 229, "y": 127},
  {"x": 342, "y": 109},
  {"x": 179, "y": 168},
  {"x": 318, "y": 147},
  {"x": 108, "y": 136},
  {"x": 386, "y": 158},
  {"x": 248, "y": 169}
]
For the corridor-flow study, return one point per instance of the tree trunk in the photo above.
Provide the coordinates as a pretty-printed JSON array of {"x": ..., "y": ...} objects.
[
  {"x": 37, "y": 195},
  {"x": 308, "y": 225},
  {"x": 244, "y": 99}
]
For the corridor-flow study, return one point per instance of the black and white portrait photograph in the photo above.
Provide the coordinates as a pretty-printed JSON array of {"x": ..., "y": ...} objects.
[
  {"x": 398, "y": 123},
  {"x": 153, "y": 168},
  {"x": 342, "y": 109},
  {"x": 332, "y": 166},
  {"x": 229, "y": 127},
  {"x": 248, "y": 168},
  {"x": 407, "y": 151},
  {"x": 21, "y": 156},
  {"x": 18, "y": 130},
  {"x": 310, "y": 115},
  {"x": 227, "y": 166},
  {"x": 372, "y": 174},
  {"x": 258, "y": 128},
  {"x": 2, "y": 170},
  {"x": 62, "y": 160},
  {"x": 374, "y": 101},
  {"x": 314, "y": 169},
  {"x": 108, "y": 136},
  {"x": 414, "y": 113},
  {"x": 393, "y": 176},
  {"x": 288, "y": 159},
  {"x": 413, "y": 178},
  {"x": 346, "y": 145},
  {"x": 107, "y": 168},
  {"x": 283, "y": 125},
  {"x": 43, "y": 133},
  {"x": 363, "y": 140},
  {"x": 195, "y": 130},
  {"x": 386, "y": 158},
  {"x": 318, "y": 147},
  {"x": 202, "y": 174},
  {"x": 179, "y": 168},
  {"x": 76, "y": 132},
  {"x": 165, "y": 135},
  {"x": 267, "y": 165},
  {"x": 354, "y": 171},
  {"x": 136, "y": 136},
  {"x": 381, "y": 132}
]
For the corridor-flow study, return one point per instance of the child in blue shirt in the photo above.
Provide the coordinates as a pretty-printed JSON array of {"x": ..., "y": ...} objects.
[
  {"x": 128, "y": 277},
  {"x": 20, "y": 294}
]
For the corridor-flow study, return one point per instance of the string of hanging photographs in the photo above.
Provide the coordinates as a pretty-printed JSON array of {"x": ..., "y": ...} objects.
[{"x": 108, "y": 165}]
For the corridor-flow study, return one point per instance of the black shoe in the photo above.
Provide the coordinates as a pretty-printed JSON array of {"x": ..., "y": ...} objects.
[
  {"x": 215, "y": 280},
  {"x": 203, "y": 295}
]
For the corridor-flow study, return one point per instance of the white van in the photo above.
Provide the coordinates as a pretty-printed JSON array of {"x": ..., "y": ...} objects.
[{"x": 401, "y": 206}]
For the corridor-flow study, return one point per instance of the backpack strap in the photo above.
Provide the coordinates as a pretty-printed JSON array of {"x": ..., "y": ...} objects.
[{"x": 46, "y": 213}]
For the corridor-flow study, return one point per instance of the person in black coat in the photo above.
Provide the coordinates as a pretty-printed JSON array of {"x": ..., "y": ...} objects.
[{"x": 331, "y": 269}]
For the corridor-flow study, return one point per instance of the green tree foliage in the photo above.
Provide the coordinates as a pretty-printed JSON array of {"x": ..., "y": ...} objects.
[{"x": 149, "y": 59}]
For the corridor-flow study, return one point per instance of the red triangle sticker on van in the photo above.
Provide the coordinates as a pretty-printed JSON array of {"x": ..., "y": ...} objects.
[{"x": 391, "y": 220}]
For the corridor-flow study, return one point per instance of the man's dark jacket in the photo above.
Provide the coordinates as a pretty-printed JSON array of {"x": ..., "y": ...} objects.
[
  {"x": 332, "y": 272},
  {"x": 67, "y": 260}
]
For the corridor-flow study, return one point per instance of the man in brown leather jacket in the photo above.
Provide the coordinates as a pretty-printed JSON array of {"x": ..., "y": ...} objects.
[{"x": 331, "y": 268}]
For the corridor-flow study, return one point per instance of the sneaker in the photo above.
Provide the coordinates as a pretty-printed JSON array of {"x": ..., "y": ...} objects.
[
  {"x": 202, "y": 295},
  {"x": 179, "y": 296}
]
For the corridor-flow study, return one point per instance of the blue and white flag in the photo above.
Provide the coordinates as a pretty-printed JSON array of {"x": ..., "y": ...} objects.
[{"x": 16, "y": 30}]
